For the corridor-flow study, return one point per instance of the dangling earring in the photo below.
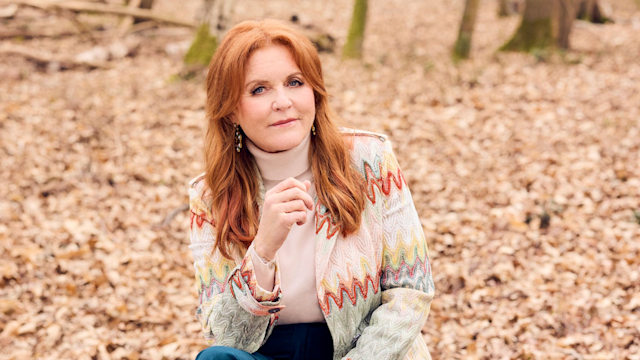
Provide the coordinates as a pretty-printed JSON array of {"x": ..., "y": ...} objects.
[
  {"x": 313, "y": 129},
  {"x": 238, "y": 137}
]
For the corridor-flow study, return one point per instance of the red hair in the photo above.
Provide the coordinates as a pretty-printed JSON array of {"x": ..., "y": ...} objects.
[{"x": 232, "y": 177}]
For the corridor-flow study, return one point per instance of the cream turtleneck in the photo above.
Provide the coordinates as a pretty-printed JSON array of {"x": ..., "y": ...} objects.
[{"x": 296, "y": 257}]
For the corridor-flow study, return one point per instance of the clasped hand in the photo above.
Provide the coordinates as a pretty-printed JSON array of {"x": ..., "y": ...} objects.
[{"x": 285, "y": 204}]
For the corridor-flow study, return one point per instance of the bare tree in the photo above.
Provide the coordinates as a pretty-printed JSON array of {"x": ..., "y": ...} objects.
[
  {"x": 545, "y": 23},
  {"x": 503, "y": 8},
  {"x": 216, "y": 14},
  {"x": 509, "y": 7},
  {"x": 548, "y": 23},
  {"x": 566, "y": 13},
  {"x": 463, "y": 45},
  {"x": 355, "y": 38},
  {"x": 213, "y": 17},
  {"x": 590, "y": 10}
]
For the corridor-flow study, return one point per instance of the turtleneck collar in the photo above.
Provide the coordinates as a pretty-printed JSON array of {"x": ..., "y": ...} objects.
[{"x": 284, "y": 164}]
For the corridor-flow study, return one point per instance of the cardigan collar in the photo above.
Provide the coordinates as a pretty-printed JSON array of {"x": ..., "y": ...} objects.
[{"x": 284, "y": 164}]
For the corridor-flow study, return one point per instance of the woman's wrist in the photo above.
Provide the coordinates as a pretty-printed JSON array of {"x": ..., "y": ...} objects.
[{"x": 262, "y": 254}]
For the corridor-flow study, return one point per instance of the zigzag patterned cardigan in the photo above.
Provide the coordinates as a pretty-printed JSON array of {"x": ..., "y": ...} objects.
[{"x": 374, "y": 287}]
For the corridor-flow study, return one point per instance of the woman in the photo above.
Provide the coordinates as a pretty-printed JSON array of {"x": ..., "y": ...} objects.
[{"x": 306, "y": 241}]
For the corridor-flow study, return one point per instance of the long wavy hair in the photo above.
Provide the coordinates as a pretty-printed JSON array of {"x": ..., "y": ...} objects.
[{"x": 232, "y": 177}]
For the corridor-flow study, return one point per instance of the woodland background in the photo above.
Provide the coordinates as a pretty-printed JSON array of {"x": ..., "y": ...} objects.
[{"x": 524, "y": 169}]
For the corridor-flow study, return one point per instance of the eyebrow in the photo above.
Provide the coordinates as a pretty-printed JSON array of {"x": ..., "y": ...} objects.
[{"x": 259, "y": 81}]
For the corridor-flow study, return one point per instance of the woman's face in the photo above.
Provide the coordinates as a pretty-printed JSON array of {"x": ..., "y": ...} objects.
[{"x": 277, "y": 106}]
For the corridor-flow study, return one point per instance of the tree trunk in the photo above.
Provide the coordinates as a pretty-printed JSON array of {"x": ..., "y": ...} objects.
[
  {"x": 566, "y": 14},
  {"x": 503, "y": 8},
  {"x": 509, "y": 7},
  {"x": 590, "y": 10},
  {"x": 536, "y": 28},
  {"x": 545, "y": 23},
  {"x": 355, "y": 38},
  {"x": 214, "y": 17},
  {"x": 463, "y": 45},
  {"x": 216, "y": 14},
  {"x": 202, "y": 47},
  {"x": 144, "y": 4},
  {"x": 587, "y": 9}
]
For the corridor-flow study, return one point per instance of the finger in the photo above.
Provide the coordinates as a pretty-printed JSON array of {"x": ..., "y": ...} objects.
[
  {"x": 296, "y": 217},
  {"x": 292, "y": 194},
  {"x": 292, "y": 206},
  {"x": 288, "y": 183},
  {"x": 307, "y": 185},
  {"x": 276, "y": 197}
]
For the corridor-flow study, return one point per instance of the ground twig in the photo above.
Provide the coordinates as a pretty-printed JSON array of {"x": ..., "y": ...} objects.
[
  {"x": 167, "y": 220},
  {"x": 84, "y": 6},
  {"x": 42, "y": 58}
]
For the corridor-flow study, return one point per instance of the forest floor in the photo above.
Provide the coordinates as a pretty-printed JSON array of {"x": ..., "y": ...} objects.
[{"x": 525, "y": 170}]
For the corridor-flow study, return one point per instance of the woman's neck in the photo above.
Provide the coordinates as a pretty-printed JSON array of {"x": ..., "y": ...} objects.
[{"x": 284, "y": 164}]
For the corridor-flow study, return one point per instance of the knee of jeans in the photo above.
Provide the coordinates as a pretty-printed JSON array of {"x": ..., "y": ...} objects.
[{"x": 221, "y": 353}]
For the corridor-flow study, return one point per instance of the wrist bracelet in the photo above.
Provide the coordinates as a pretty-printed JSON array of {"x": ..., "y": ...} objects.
[{"x": 269, "y": 263}]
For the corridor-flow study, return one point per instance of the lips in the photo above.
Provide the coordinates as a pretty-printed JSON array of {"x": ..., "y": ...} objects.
[{"x": 283, "y": 122}]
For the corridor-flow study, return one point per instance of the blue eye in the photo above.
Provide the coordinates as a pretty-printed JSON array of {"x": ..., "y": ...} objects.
[
  {"x": 295, "y": 83},
  {"x": 258, "y": 90}
]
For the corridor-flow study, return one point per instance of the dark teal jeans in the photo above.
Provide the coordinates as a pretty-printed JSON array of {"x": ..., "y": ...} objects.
[{"x": 311, "y": 341}]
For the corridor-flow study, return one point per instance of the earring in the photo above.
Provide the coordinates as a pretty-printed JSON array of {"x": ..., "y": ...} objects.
[
  {"x": 313, "y": 129},
  {"x": 238, "y": 137}
]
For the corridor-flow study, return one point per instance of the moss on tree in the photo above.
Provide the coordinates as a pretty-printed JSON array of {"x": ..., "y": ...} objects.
[
  {"x": 353, "y": 46},
  {"x": 462, "y": 47},
  {"x": 202, "y": 48},
  {"x": 531, "y": 35}
]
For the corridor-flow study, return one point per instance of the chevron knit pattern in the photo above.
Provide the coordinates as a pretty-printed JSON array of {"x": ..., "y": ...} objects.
[{"x": 374, "y": 286}]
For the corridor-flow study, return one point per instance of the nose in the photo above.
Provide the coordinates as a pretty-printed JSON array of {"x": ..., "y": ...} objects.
[{"x": 282, "y": 100}]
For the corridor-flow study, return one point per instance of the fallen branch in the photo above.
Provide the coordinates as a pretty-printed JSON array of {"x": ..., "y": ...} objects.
[
  {"x": 8, "y": 11},
  {"x": 167, "y": 220},
  {"x": 83, "y": 29},
  {"x": 27, "y": 35},
  {"x": 127, "y": 22},
  {"x": 46, "y": 59},
  {"x": 83, "y": 6},
  {"x": 142, "y": 26}
]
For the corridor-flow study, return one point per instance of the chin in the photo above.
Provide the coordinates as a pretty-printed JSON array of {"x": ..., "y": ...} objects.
[
  {"x": 285, "y": 144},
  {"x": 279, "y": 147}
]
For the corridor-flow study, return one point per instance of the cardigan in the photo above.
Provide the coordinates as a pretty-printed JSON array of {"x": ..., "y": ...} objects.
[
  {"x": 374, "y": 286},
  {"x": 295, "y": 258}
]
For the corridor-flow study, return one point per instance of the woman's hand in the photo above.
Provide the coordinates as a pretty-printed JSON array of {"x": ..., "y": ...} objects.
[{"x": 284, "y": 205}]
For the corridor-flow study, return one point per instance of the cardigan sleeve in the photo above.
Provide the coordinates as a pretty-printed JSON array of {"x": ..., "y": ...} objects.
[
  {"x": 406, "y": 282},
  {"x": 232, "y": 309}
]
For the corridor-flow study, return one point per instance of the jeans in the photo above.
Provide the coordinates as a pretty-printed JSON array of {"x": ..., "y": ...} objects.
[
  {"x": 228, "y": 353},
  {"x": 311, "y": 341}
]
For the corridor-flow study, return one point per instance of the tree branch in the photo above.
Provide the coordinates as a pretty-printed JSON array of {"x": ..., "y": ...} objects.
[
  {"x": 45, "y": 59},
  {"x": 127, "y": 22},
  {"x": 167, "y": 220},
  {"x": 84, "y": 6}
]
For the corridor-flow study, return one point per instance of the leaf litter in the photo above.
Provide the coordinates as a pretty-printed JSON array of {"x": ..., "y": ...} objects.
[{"x": 524, "y": 170}]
